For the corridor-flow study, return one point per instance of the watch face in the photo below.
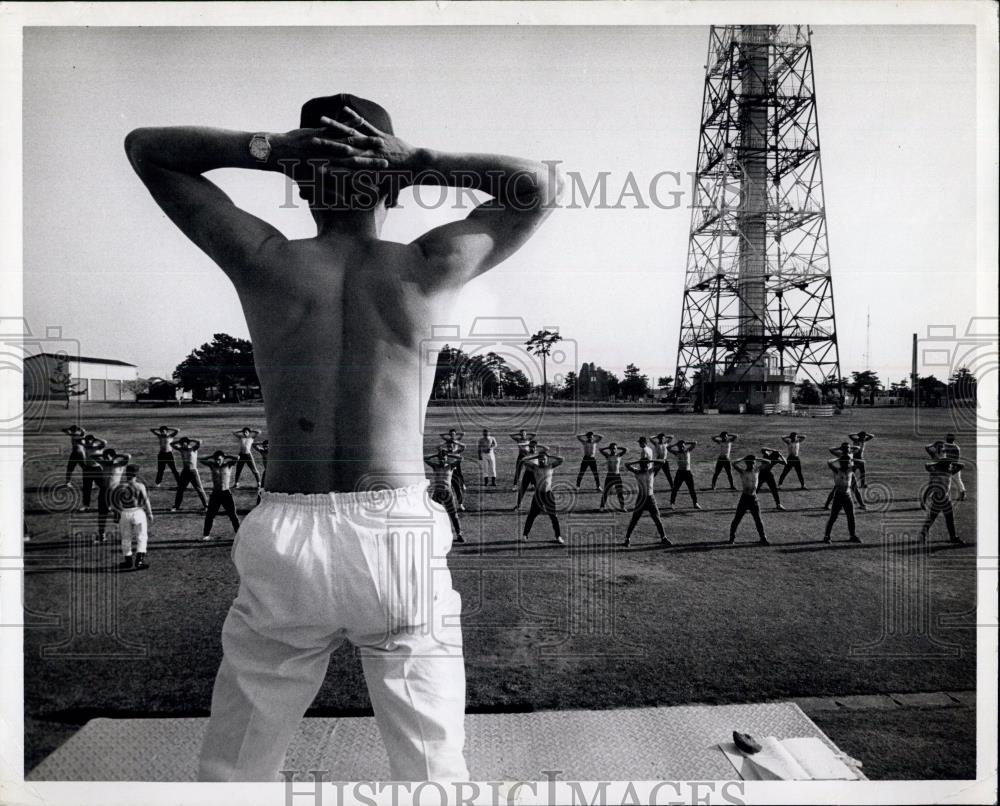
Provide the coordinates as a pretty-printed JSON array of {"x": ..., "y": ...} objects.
[{"x": 259, "y": 147}]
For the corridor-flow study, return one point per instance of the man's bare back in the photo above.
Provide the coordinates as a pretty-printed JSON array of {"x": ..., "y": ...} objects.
[
  {"x": 337, "y": 320},
  {"x": 339, "y": 363}
]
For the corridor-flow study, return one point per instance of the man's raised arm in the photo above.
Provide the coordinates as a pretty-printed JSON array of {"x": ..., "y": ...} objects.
[
  {"x": 524, "y": 193},
  {"x": 171, "y": 160}
]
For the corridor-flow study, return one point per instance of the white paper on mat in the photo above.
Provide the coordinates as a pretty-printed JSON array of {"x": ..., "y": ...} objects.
[{"x": 799, "y": 759}]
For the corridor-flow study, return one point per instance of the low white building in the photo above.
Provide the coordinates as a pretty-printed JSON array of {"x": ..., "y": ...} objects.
[{"x": 96, "y": 378}]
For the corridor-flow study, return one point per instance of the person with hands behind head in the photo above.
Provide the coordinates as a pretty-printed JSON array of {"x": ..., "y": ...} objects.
[
  {"x": 682, "y": 450},
  {"x": 645, "y": 470},
  {"x": 613, "y": 454},
  {"x": 589, "y": 441},
  {"x": 309, "y": 557},
  {"x": 189, "y": 474},
  {"x": 442, "y": 489},
  {"x": 542, "y": 466},
  {"x": 77, "y": 454},
  {"x": 521, "y": 438},
  {"x": 93, "y": 446},
  {"x": 165, "y": 454},
  {"x": 220, "y": 464}
]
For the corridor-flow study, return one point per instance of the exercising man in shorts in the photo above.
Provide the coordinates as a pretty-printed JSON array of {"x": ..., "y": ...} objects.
[
  {"x": 521, "y": 439},
  {"x": 165, "y": 454},
  {"x": 109, "y": 469},
  {"x": 130, "y": 499},
  {"x": 189, "y": 474},
  {"x": 613, "y": 454},
  {"x": 748, "y": 470},
  {"x": 442, "y": 489},
  {"x": 846, "y": 450},
  {"x": 941, "y": 473},
  {"x": 725, "y": 442},
  {"x": 262, "y": 448},
  {"x": 77, "y": 455},
  {"x": 244, "y": 458},
  {"x": 682, "y": 450},
  {"x": 542, "y": 466},
  {"x": 860, "y": 439},
  {"x": 953, "y": 452},
  {"x": 590, "y": 441},
  {"x": 531, "y": 448},
  {"x": 93, "y": 446},
  {"x": 456, "y": 449},
  {"x": 661, "y": 453},
  {"x": 220, "y": 465},
  {"x": 765, "y": 467},
  {"x": 843, "y": 477},
  {"x": 794, "y": 442},
  {"x": 645, "y": 470},
  {"x": 346, "y": 471}
]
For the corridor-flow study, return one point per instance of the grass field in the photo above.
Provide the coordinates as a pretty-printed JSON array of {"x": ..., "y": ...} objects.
[{"x": 586, "y": 625}]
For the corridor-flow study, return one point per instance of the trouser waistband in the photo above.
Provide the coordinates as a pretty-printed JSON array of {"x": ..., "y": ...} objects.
[{"x": 345, "y": 501}]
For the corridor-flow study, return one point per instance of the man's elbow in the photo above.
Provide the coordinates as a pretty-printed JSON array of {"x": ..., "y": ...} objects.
[{"x": 136, "y": 146}]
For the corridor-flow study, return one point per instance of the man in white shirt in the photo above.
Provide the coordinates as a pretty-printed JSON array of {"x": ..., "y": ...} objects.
[{"x": 486, "y": 447}]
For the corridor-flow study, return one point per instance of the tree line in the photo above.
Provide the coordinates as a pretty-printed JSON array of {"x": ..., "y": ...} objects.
[
  {"x": 223, "y": 369},
  {"x": 863, "y": 387}
]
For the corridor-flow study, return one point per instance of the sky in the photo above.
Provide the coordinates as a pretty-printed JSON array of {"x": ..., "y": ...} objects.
[{"x": 897, "y": 113}]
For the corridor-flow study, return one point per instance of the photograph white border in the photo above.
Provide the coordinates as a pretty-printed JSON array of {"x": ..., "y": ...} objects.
[{"x": 15, "y": 16}]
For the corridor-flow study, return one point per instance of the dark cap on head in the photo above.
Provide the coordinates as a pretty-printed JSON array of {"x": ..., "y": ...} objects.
[
  {"x": 131, "y": 470},
  {"x": 332, "y": 106}
]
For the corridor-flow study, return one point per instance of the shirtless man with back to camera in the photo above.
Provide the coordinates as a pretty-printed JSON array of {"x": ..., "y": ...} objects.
[{"x": 340, "y": 434}]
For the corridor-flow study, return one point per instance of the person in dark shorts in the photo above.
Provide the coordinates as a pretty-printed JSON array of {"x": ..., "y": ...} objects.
[
  {"x": 221, "y": 465},
  {"x": 165, "y": 454}
]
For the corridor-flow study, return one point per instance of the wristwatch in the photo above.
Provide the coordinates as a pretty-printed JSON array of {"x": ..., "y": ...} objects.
[{"x": 260, "y": 147}]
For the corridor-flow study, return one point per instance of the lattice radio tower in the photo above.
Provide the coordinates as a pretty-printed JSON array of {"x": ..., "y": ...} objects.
[{"x": 758, "y": 296}]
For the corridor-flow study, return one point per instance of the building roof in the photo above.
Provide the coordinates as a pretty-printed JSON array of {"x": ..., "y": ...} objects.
[{"x": 83, "y": 359}]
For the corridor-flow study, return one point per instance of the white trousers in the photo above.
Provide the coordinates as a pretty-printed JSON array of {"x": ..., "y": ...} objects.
[
  {"x": 489, "y": 465},
  {"x": 316, "y": 570},
  {"x": 133, "y": 525},
  {"x": 958, "y": 482}
]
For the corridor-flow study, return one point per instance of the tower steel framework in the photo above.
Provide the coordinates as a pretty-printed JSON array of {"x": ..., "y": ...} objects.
[{"x": 758, "y": 295}]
